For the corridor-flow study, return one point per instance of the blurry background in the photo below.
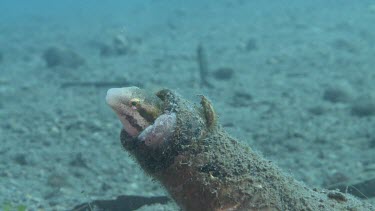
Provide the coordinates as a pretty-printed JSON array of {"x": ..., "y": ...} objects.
[{"x": 292, "y": 79}]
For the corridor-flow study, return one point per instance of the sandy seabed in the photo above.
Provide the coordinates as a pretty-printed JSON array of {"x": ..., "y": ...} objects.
[{"x": 295, "y": 82}]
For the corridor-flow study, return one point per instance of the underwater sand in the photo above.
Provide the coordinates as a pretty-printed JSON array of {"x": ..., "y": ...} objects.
[{"x": 294, "y": 81}]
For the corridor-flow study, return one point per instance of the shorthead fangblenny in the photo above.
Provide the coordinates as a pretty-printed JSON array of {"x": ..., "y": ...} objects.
[{"x": 182, "y": 145}]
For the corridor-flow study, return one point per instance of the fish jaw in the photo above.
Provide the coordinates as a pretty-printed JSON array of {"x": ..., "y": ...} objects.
[{"x": 118, "y": 99}]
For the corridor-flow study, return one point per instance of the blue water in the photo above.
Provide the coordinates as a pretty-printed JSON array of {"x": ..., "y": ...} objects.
[{"x": 292, "y": 79}]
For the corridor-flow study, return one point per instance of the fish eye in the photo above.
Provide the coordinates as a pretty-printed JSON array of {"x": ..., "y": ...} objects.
[{"x": 134, "y": 102}]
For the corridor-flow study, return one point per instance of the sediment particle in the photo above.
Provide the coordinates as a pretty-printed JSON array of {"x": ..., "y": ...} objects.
[
  {"x": 59, "y": 57},
  {"x": 317, "y": 110},
  {"x": 251, "y": 45},
  {"x": 203, "y": 66},
  {"x": 336, "y": 95},
  {"x": 364, "y": 106},
  {"x": 344, "y": 45},
  {"x": 338, "y": 196},
  {"x": 241, "y": 99},
  {"x": 224, "y": 73},
  {"x": 121, "y": 45}
]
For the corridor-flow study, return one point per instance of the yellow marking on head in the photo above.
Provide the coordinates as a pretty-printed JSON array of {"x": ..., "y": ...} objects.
[{"x": 135, "y": 103}]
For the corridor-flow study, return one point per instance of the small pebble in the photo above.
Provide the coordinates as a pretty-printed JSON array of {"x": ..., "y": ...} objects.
[
  {"x": 21, "y": 159},
  {"x": 57, "y": 181},
  {"x": 336, "y": 95},
  {"x": 55, "y": 57},
  {"x": 224, "y": 73},
  {"x": 338, "y": 196},
  {"x": 241, "y": 99},
  {"x": 121, "y": 45},
  {"x": 344, "y": 45},
  {"x": 363, "y": 107},
  {"x": 317, "y": 110},
  {"x": 251, "y": 45},
  {"x": 79, "y": 161}
]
